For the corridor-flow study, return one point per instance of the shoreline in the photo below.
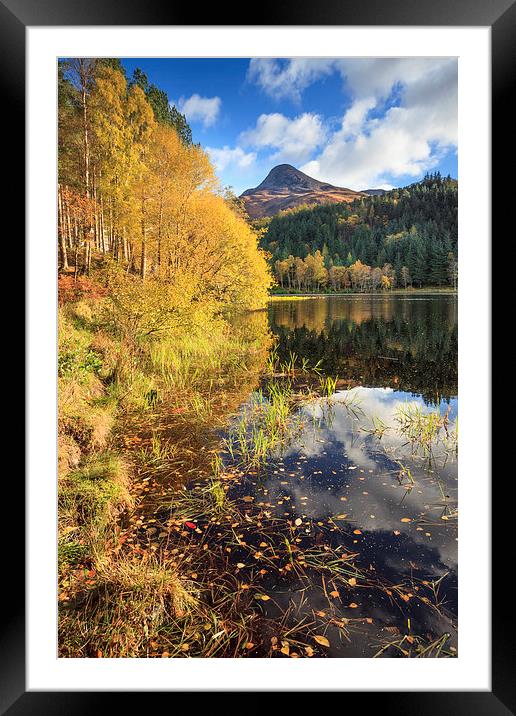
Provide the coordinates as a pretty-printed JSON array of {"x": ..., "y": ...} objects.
[{"x": 382, "y": 294}]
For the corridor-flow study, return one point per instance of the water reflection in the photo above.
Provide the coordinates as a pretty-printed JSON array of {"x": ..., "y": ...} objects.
[
  {"x": 343, "y": 468},
  {"x": 350, "y": 483},
  {"x": 409, "y": 344},
  {"x": 335, "y": 471}
]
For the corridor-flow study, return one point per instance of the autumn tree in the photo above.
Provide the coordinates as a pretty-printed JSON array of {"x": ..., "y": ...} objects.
[{"x": 135, "y": 192}]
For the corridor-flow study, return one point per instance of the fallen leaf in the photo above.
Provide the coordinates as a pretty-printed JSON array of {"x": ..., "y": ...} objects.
[
  {"x": 353, "y": 605},
  {"x": 322, "y": 640},
  {"x": 405, "y": 519},
  {"x": 352, "y": 581}
]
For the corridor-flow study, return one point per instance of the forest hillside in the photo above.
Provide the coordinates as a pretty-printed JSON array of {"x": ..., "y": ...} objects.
[{"x": 401, "y": 238}]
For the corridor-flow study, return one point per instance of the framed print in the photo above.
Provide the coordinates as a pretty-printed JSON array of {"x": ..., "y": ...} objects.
[{"x": 258, "y": 269}]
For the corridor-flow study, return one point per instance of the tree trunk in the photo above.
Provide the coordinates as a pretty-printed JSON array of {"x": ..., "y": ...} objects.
[
  {"x": 143, "y": 260},
  {"x": 160, "y": 222},
  {"x": 61, "y": 230}
]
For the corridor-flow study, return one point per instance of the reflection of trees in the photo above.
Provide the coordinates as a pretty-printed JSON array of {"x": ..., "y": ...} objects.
[{"x": 407, "y": 345}]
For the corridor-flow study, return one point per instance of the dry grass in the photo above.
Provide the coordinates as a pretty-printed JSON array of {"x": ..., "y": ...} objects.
[
  {"x": 118, "y": 597},
  {"x": 121, "y": 611}
]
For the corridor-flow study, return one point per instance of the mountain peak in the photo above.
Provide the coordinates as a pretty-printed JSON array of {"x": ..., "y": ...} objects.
[
  {"x": 286, "y": 187},
  {"x": 287, "y": 177}
]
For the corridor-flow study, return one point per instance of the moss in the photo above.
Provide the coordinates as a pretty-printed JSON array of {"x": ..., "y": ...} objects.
[
  {"x": 99, "y": 489},
  {"x": 70, "y": 553}
]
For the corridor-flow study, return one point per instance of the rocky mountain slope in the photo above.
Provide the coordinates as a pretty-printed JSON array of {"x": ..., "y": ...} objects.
[{"x": 285, "y": 187}]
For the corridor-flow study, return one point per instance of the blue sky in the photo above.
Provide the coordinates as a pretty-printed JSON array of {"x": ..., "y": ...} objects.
[{"x": 357, "y": 123}]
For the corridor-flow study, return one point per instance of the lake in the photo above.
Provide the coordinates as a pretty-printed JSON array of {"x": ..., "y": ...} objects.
[{"x": 366, "y": 481}]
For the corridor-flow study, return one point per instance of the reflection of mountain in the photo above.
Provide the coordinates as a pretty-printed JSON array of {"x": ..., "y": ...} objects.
[{"x": 409, "y": 345}]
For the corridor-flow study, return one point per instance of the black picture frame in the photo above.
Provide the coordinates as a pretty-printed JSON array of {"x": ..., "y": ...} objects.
[{"x": 500, "y": 15}]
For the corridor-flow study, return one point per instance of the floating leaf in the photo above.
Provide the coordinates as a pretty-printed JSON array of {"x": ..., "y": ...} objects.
[
  {"x": 298, "y": 522},
  {"x": 352, "y": 581},
  {"x": 240, "y": 565},
  {"x": 357, "y": 532},
  {"x": 353, "y": 605},
  {"x": 322, "y": 640},
  {"x": 405, "y": 519}
]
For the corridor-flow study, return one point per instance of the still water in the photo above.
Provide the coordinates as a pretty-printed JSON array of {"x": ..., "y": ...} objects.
[{"x": 359, "y": 479}]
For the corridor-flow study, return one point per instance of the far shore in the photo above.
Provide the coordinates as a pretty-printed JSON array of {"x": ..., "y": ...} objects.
[{"x": 396, "y": 292}]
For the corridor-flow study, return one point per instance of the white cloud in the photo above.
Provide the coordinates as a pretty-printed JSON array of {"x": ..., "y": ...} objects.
[
  {"x": 280, "y": 78},
  {"x": 355, "y": 116},
  {"x": 408, "y": 139},
  {"x": 200, "y": 109},
  {"x": 365, "y": 151},
  {"x": 222, "y": 157},
  {"x": 293, "y": 140}
]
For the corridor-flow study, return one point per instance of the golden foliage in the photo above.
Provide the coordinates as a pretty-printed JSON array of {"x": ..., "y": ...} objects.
[{"x": 157, "y": 209}]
